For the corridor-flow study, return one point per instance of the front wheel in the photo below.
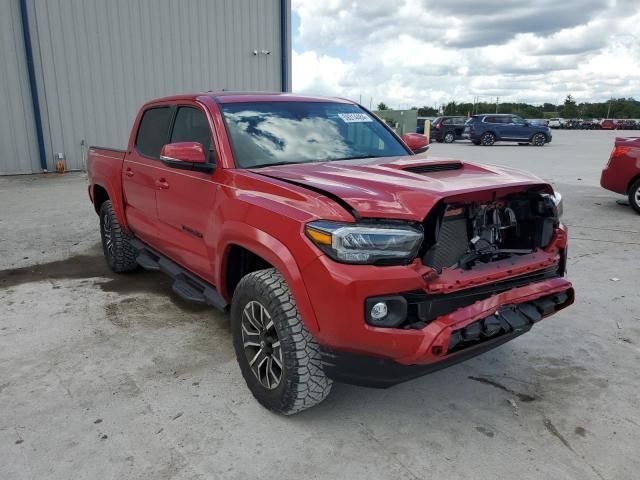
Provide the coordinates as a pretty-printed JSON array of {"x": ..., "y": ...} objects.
[
  {"x": 488, "y": 139},
  {"x": 278, "y": 357},
  {"x": 634, "y": 195},
  {"x": 449, "y": 137},
  {"x": 538, "y": 140}
]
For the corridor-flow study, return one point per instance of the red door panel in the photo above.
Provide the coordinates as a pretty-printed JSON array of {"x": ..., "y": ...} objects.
[{"x": 185, "y": 205}]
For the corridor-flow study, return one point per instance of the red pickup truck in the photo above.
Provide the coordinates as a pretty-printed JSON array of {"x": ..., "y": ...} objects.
[{"x": 340, "y": 252}]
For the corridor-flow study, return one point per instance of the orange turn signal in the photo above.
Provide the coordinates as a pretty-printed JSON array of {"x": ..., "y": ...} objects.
[{"x": 321, "y": 238}]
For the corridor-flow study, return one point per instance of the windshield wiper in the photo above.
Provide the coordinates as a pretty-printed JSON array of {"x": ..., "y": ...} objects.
[
  {"x": 355, "y": 158},
  {"x": 276, "y": 164}
]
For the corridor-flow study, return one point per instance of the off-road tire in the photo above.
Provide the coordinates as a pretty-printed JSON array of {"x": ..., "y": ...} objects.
[
  {"x": 303, "y": 382},
  {"x": 538, "y": 140},
  {"x": 488, "y": 139},
  {"x": 634, "y": 195},
  {"x": 449, "y": 137},
  {"x": 120, "y": 254}
]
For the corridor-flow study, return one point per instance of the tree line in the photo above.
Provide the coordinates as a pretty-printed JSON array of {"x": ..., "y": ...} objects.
[{"x": 614, "y": 108}]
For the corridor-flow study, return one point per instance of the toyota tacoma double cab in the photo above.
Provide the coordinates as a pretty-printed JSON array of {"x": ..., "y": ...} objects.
[{"x": 339, "y": 250}]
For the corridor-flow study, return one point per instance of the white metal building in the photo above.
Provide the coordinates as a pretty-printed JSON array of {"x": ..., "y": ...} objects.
[{"x": 74, "y": 72}]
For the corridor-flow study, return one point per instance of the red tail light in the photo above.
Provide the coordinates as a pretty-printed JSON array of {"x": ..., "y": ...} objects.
[{"x": 618, "y": 151}]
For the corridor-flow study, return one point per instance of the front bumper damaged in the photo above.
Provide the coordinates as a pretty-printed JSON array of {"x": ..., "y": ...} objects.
[{"x": 455, "y": 343}]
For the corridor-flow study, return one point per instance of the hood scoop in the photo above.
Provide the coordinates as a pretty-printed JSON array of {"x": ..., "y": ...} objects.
[{"x": 433, "y": 167}]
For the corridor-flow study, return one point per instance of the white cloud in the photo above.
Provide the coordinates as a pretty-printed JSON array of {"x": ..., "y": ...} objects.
[
  {"x": 423, "y": 52},
  {"x": 318, "y": 73}
]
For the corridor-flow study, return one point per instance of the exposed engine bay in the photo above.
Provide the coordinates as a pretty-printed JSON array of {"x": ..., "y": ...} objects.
[{"x": 465, "y": 235}]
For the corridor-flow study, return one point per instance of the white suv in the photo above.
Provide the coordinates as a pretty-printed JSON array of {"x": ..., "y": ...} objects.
[{"x": 556, "y": 122}]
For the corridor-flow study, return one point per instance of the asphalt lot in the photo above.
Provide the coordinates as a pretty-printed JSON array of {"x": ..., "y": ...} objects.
[{"x": 113, "y": 377}]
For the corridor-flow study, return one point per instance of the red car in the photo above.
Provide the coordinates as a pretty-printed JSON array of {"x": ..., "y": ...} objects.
[
  {"x": 608, "y": 125},
  {"x": 622, "y": 173},
  {"x": 339, "y": 252}
]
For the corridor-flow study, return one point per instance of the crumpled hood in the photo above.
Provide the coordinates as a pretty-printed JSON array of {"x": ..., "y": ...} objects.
[{"x": 383, "y": 188}]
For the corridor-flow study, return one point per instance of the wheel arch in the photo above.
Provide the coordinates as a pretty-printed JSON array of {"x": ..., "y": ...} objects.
[
  {"x": 260, "y": 249},
  {"x": 492, "y": 132},
  {"x": 101, "y": 192},
  {"x": 631, "y": 182},
  {"x": 546, "y": 137},
  {"x": 99, "y": 196}
]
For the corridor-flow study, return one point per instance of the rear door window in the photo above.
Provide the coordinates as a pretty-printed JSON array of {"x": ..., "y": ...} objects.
[
  {"x": 498, "y": 119},
  {"x": 153, "y": 131}
]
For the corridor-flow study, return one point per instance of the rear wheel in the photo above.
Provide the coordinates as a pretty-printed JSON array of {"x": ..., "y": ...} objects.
[
  {"x": 488, "y": 139},
  {"x": 116, "y": 242},
  {"x": 278, "y": 357},
  {"x": 634, "y": 195},
  {"x": 449, "y": 137},
  {"x": 538, "y": 140}
]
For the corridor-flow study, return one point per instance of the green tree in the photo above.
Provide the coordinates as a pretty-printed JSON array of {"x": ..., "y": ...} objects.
[
  {"x": 427, "y": 111},
  {"x": 570, "y": 108},
  {"x": 382, "y": 106}
]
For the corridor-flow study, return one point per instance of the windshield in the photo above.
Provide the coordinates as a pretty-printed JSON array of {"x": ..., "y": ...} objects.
[{"x": 276, "y": 133}]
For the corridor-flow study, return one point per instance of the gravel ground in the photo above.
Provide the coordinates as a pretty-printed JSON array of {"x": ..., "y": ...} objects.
[{"x": 113, "y": 377}]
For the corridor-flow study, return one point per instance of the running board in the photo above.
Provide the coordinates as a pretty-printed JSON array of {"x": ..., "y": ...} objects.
[{"x": 185, "y": 284}]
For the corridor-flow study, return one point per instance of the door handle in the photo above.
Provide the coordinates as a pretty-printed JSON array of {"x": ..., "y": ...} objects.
[
  {"x": 128, "y": 172},
  {"x": 162, "y": 184}
]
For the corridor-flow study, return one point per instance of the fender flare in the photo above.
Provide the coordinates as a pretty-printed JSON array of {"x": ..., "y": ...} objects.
[
  {"x": 273, "y": 251},
  {"x": 114, "y": 194}
]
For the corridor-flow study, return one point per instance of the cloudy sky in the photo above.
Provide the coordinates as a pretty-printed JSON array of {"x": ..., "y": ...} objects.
[{"x": 426, "y": 52}]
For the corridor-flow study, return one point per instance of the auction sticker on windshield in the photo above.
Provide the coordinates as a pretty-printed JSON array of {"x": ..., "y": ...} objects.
[{"x": 355, "y": 117}]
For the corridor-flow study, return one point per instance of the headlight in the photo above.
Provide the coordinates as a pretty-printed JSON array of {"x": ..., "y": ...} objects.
[
  {"x": 366, "y": 244},
  {"x": 557, "y": 200}
]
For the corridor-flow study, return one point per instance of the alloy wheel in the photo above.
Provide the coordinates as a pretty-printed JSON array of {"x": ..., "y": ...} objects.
[
  {"x": 107, "y": 234},
  {"x": 538, "y": 140},
  {"x": 488, "y": 139},
  {"x": 261, "y": 344}
]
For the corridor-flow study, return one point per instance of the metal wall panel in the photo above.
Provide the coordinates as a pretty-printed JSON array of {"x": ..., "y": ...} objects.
[
  {"x": 18, "y": 145},
  {"x": 97, "y": 61}
]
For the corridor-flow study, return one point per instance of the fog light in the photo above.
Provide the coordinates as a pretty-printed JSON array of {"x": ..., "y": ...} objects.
[
  {"x": 388, "y": 311},
  {"x": 379, "y": 311}
]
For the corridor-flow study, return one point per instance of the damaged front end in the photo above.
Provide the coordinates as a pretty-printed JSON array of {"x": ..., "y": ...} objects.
[
  {"x": 479, "y": 249},
  {"x": 466, "y": 235}
]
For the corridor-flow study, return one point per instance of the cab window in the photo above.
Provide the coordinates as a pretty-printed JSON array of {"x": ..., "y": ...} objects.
[
  {"x": 153, "y": 131},
  {"x": 191, "y": 125}
]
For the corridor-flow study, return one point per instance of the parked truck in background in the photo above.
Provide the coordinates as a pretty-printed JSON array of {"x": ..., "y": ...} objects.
[{"x": 339, "y": 252}]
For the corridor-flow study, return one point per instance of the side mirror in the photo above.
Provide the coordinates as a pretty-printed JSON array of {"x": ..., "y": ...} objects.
[
  {"x": 416, "y": 142},
  {"x": 186, "y": 156}
]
